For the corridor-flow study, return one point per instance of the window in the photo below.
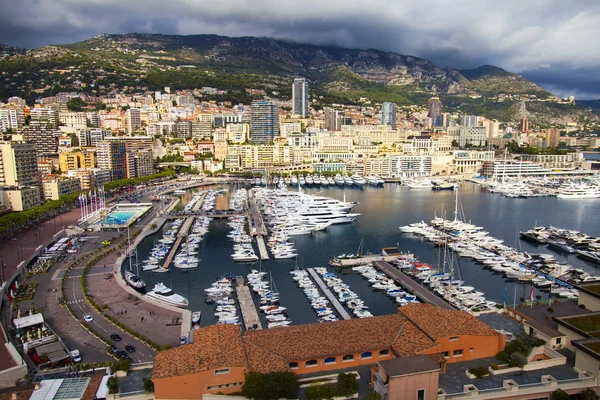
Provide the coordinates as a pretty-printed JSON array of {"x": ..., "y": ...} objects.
[
  {"x": 454, "y": 338},
  {"x": 330, "y": 360},
  {"x": 558, "y": 340},
  {"x": 311, "y": 363},
  {"x": 347, "y": 358},
  {"x": 421, "y": 394},
  {"x": 446, "y": 354},
  {"x": 366, "y": 355},
  {"x": 293, "y": 365},
  {"x": 222, "y": 371},
  {"x": 458, "y": 353},
  {"x": 384, "y": 353},
  {"x": 471, "y": 349}
]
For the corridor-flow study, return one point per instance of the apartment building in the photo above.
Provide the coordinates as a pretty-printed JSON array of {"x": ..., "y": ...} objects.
[
  {"x": 18, "y": 164},
  {"x": 76, "y": 160},
  {"x": 21, "y": 198},
  {"x": 409, "y": 166},
  {"x": 45, "y": 138},
  {"x": 56, "y": 187}
]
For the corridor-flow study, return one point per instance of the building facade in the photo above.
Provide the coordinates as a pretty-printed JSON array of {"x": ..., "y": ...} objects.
[
  {"x": 389, "y": 112},
  {"x": 55, "y": 188},
  {"x": 300, "y": 97},
  {"x": 18, "y": 164},
  {"x": 435, "y": 111},
  {"x": 265, "y": 122}
]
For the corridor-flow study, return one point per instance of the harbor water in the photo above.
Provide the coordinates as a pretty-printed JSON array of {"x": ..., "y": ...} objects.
[{"x": 383, "y": 210}]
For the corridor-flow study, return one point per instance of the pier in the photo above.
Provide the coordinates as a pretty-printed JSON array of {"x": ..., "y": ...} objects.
[
  {"x": 247, "y": 307},
  {"x": 421, "y": 292},
  {"x": 334, "y": 301},
  {"x": 256, "y": 225},
  {"x": 262, "y": 248}
]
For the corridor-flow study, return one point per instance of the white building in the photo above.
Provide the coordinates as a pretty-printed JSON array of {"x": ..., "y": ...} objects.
[{"x": 407, "y": 166}]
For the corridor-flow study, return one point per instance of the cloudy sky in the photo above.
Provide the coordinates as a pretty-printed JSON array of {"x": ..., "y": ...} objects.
[{"x": 555, "y": 43}]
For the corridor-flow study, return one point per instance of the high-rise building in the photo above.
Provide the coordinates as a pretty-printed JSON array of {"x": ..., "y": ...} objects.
[
  {"x": 43, "y": 117},
  {"x": 77, "y": 120},
  {"x": 18, "y": 164},
  {"x": 134, "y": 120},
  {"x": 388, "y": 114},
  {"x": 469, "y": 120},
  {"x": 76, "y": 160},
  {"x": 552, "y": 137},
  {"x": 524, "y": 125},
  {"x": 265, "y": 122},
  {"x": 55, "y": 188},
  {"x": 44, "y": 137},
  {"x": 139, "y": 163},
  {"x": 435, "y": 111},
  {"x": 11, "y": 118},
  {"x": 112, "y": 155},
  {"x": 335, "y": 119},
  {"x": 300, "y": 97}
]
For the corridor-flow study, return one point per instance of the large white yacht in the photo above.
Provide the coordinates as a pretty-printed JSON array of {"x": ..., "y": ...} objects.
[
  {"x": 420, "y": 184},
  {"x": 579, "y": 191},
  {"x": 166, "y": 295},
  {"x": 339, "y": 180},
  {"x": 358, "y": 180}
]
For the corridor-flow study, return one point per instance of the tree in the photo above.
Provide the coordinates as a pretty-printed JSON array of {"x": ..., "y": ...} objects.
[
  {"x": 373, "y": 396},
  {"x": 347, "y": 383},
  {"x": 517, "y": 360},
  {"x": 560, "y": 394},
  {"x": 318, "y": 392},
  {"x": 113, "y": 385},
  {"x": 454, "y": 143},
  {"x": 272, "y": 386},
  {"x": 148, "y": 385},
  {"x": 76, "y": 104},
  {"x": 589, "y": 394}
]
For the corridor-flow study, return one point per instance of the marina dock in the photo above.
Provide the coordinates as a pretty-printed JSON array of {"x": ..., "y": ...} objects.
[
  {"x": 247, "y": 307},
  {"x": 405, "y": 281},
  {"x": 172, "y": 252},
  {"x": 334, "y": 301},
  {"x": 256, "y": 225},
  {"x": 262, "y": 248}
]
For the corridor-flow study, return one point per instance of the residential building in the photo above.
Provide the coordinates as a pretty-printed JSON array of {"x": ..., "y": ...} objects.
[
  {"x": 335, "y": 143},
  {"x": 112, "y": 155},
  {"x": 11, "y": 118},
  {"x": 409, "y": 166},
  {"x": 435, "y": 111},
  {"x": 133, "y": 120},
  {"x": 554, "y": 161},
  {"x": 377, "y": 166},
  {"x": 382, "y": 134},
  {"x": 335, "y": 119},
  {"x": 133, "y": 143},
  {"x": 220, "y": 355},
  {"x": 493, "y": 128},
  {"x": 18, "y": 164},
  {"x": 300, "y": 97},
  {"x": 265, "y": 122},
  {"x": 202, "y": 128},
  {"x": 552, "y": 137},
  {"x": 469, "y": 120},
  {"x": 288, "y": 128},
  {"x": 468, "y": 135},
  {"x": 183, "y": 129},
  {"x": 91, "y": 137},
  {"x": 470, "y": 161},
  {"x": 43, "y": 117},
  {"x": 76, "y": 160},
  {"x": 44, "y": 137},
  {"x": 306, "y": 139},
  {"x": 389, "y": 114},
  {"x": 524, "y": 125},
  {"x": 91, "y": 178},
  {"x": 238, "y": 133},
  {"x": 77, "y": 120},
  {"x": 139, "y": 163},
  {"x": 21, "y": 198},
  {"x": 56, "y": 187}
]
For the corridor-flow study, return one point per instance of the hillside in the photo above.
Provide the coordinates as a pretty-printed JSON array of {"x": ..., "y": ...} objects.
[{"x": 135, "y": 62}]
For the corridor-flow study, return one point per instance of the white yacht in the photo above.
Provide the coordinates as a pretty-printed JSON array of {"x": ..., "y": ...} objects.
[
  {"x": 579, "y": 191},
  {"x": 348, "y": 181},
  {"x": 166, "y": 295},
  {"x": 420, "y": 184},
  {"x": 358, "y": 180},
  {"x": 324, "y": 180},
  {"x": 371, "y": 180},
  {"x": 339, "y": 180},
  {"x": 294, "y": 180}
]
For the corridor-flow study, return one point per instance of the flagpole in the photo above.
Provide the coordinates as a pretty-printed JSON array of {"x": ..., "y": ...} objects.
[{"x": 515, "y": 303}]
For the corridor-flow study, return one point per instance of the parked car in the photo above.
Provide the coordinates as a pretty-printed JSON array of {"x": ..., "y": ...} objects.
[
  {"x": 114, "y": 349},
  {"x": 88, "y": 318},
  {"x": 130, "y": 348}
]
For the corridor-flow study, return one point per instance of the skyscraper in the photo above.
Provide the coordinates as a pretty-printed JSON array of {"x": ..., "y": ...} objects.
[
  {"x": 300, "y": 97},
  {"x": 264, "y": 122},
  {"x": 435, "y": 111},
  {"x": 469, "y": 120},
  {"x": 388, "y": 114},
  {"x": 134, "y": 121},
  {"x": 552, "y": 137},
  {"x": 524, "y": 125}
]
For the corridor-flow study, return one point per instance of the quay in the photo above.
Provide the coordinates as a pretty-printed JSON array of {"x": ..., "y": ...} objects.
[
  {"x": 262, "y": 249},
  {"x": 256, "y": 225},
  {"x": 388, "y": 254},
  {"x": 405, "y": 281},
  {"x": 334, "y": 301},
  {"x": 247, "y": 307}
]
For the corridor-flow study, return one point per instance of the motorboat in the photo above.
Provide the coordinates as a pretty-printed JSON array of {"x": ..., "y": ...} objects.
[
  {"x": 196, "y": 317},
  {"x": 358, "y": 180},
  {"x": 166, "y": 295}
]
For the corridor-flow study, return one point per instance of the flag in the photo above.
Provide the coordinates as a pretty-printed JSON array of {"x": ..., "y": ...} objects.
[
  {"x": 504, "y": 294},
  {"x": 531, "y": 294}
]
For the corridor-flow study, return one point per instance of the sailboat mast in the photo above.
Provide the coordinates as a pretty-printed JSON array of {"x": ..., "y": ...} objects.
[{"x": 129, "y": 249}]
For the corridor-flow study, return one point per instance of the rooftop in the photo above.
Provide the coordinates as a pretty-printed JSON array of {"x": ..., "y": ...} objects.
[
  {"x": 413, "y": 330},
  {"x": 591, "y": 288},
  {"x": 543, "y": 328},
  {"x": 591, "y": 346},
  {"x": 408, "y": 365},
  {"x": 588, "y": 325}
]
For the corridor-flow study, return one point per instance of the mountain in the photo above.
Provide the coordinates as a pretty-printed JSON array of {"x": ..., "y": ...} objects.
[
  {"x": 133, "y": 62},
  {"x": 592, "y": 105},
  {"x": 8, "y": 51}
]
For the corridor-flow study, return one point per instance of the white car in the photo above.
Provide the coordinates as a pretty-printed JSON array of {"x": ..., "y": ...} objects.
[{"x": 88, "y": 318}]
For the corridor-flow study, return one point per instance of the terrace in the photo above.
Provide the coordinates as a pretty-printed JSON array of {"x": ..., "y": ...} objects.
[{"x": 583, "y": 325}]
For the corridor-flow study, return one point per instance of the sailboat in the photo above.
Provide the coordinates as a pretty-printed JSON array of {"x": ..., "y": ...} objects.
[{"x": 132, "y": 279}]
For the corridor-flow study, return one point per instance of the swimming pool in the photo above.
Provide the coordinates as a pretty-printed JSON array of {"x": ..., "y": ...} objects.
[{"x": 120, "y": 217}]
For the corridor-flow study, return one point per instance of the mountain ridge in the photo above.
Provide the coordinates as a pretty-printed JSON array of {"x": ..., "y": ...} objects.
[{"x": 337, "y": 74}]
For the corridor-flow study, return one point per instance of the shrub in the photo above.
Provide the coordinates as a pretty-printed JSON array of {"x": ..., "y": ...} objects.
[
  {"x": 318, "y": 392},
  {"x": 113, "y": 385},
  {"x": 148, "y": 385},
  {"x": 373, "y": 396},
  {"x": 499, "y": 306},
  {"x": 272, "y": 386},
  {"x": 495, "y": 366},
  {"x": 517, "y": 360},
  {"x": 582, "y": 306},
  {"x": 550, "y": 310},
  {"x": 121, "y": 365},
  {"x": 347, "y": 384},
  {"x": 517, "y": 346},
  {"x": 560, "y": 394},
  {"x": 503, "y": 356},
  {"x": 479, "y": 372}
]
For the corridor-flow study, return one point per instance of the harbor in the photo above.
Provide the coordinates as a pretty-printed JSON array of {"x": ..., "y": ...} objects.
[{"x": 377, "y": 228}]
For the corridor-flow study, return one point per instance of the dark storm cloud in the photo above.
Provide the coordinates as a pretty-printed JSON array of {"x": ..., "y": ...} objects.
[{"x": 552, "y": 42}]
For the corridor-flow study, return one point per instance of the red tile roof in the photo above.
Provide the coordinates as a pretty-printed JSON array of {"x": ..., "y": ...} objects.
[{"x": 438, "y": 323}]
